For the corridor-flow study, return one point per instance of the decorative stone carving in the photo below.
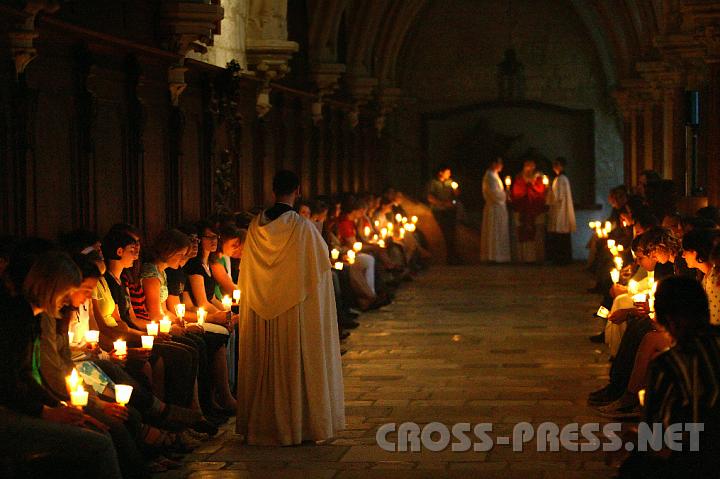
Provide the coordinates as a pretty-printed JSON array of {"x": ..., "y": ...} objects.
[
  {"x": 361, "y": 88},
  {"x": 326, "y": 77},
  {"x": 22, "y": 38}
]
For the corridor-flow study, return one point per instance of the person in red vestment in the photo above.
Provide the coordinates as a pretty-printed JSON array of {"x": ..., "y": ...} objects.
[{"x": 528, "y": 202}]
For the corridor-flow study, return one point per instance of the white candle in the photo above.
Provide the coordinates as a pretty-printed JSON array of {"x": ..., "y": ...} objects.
[
  {"x": 147, "y": 341},
  {"x": 454, "y": 185},
  {"x": 152, "y": 328},
  {"x": 639, "y": 298},
  {"x": 615, "y": 275},
  {"x": 508, "y": 181},
  {"x": 339, "y": 266},
  {"x": 611, "y": 243},
  {"x": 377, "y": 223},
  {"x": 351, "y": 254},
  {"x": 383, "y": 233},
  {"x": 414, "y": 219},
  {"x": 398, "y": 217},
  {"x": 201, "y": 315},
  {"x": 608, "y": 226},
  {"x": 620, "y": 248},
  {"x": 641, "y": 397},
  {"x": 180, "y": 310},
  {"x": 120, "y": 347},
  {"x": 79, "y": 397},
  {"x": 381, "y": 243},
  {"x": 402, "y": 233},
  {"x": 367, "y": 231},
  {"x": 227, "y": 303},
  {"x": 236, "y": 295},
  {"x": 92, "y": 336},
  {"x": 166, "y": 323},
  {"x": 632, "y": 286},
  {"x": 335, "y": 254},
  {"x": 618, "y": 262},
  {"x": 123, "y": 393},
  {"x": 357, "y": 246},
  {"x": 404, "y": 220},
  {"x": 375, "y": 238}
]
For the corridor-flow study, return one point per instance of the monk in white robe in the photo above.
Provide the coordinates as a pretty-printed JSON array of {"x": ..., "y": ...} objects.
[
  {"x": 495, "y": 233},
  {"x": 290, "y": 385},
  {"x": 561, "y": 216}
]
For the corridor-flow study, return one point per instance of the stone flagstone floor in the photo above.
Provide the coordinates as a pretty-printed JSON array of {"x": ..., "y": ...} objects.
[{"x": 460, "y": 344}]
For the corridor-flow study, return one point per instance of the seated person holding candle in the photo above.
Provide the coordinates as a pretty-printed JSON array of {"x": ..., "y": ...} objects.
[
  {"x": 230, "y": 247},
  {"x": 219, "y": 397},
  {"x": 682, "y": 386},
  {"x": 701, "y": 250},
  {"x": 65, "y": 439}
]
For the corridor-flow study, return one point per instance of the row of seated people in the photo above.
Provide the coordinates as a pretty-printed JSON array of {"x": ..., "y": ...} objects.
[
  {"x": 660, "y": 280},
  {"x": 106, "y": 313}
]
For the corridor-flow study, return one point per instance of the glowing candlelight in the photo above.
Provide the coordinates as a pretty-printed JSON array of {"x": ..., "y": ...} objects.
[
  {"x": 79, "y": 397},
  {"x": 639, "y": 298},
  {"x": 632, "y": 286},
  {"x": 404, "y": 220},
  {"x": 201, "y": 315},
  {"x": 591, "y": 225},
  {"x": 375, "y": 238},
  {"x": 351, "y": 254},
  {"x": 71, "y": 337},
  {"x": 227, "y": 303},
  {"x": 398, "y": 217},
  {"x": 608, "y": 226},
  {"x": 641, "y": 397},
  {"x": 508, "y": 181},
  {"x": 367, "y": 231},
  {"x": 123, "y": 393},
  {"x": 546, "y": 180},
  {"x": 147, "y": 341},
  {"x": 454, "y": 185},
  {"x": 152, "y": 328},
  {"x": 410, "y": 228},
  {"x": 92, "y": 336},
  {"x": 618, "y": 262},
  {"x": 339, "y": 266},
  {"x": 620, "y": 248},
  {"x": 72, "y": 381},
  {"x": 414, "y": 220},
  {"x": 236, "y": 295},
  {"x": 120, "y": 347},
  {"x": 166, "y": 324},
  {"x": 357, "y": 246},
  {"x": 383, "y": 233},
  {"x": 402, "y": 233},
  {"x": 180, "y": 310},
  {"x": 615, "y": 275},
  {"x": 335, "y": 254},
  {"x": 651, "y": 277},
  {"x": 377, "y": 223},
  {"x": 611, "y": 243},
  {"x": 381, "y": 243}
]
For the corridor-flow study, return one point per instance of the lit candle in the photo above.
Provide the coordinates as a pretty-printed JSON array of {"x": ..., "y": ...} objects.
[
  {"x": 120, "y": 347},
  {"x": 201, "y": 315},
  {"x": 599, "y": 232},
  {"x": 152, "y": 328},
  {"x": 632, "y": 286},
  {"x": 398, "y": 217},
  {"x": 390, "y": 228},
  {"x": 381, "y": 243},
  {"x": 71, "y": 337},
  {"x": 410, "y": 228},
  {"x": 236, "y": 295},
  {"x": 123, "y": 393},
  {"x": 166, "y": 324},
  {"x": 147, "y": 341},
  {"x": 339, "y": 266},
  {"x": 611, "y": 243},
  {"x": 546, "y": 180},
  {"x": 508, "y": 181},
  {"x": 367, "y": 231},
  {"x": 641, "y": 397},
  {"x": 591, "y": 225},
  {"x": 227, "y": 303},
  {"x": 651, "y": 277},
  {"x": 615, "y": 275},
  {"x": 377, "y": 223},
  {"x": 608, "y": 226},
  {"x": 351, "y": 254},
  {"x": 414, "y": 219},
  {"x": 383, "y": 233},
  {"x": 454, "y": 185},
  {"x": 357, "y": 246},
  {"x": 180, "y": 310},
  {"x": 72, "y": 381},
  {"x": 618, "y": 262},
  {"x": 375, "y": 238},
  {"x": 79, "y": 397},
  {"x": 620, "y": 248},
  {"x": 335, "y": 254},
  {"x": 639, "y": 298},
  {"x": 92, "y": 336},
  {"x": 404, "y": 220},
  {"x": 402, "y": 233}
]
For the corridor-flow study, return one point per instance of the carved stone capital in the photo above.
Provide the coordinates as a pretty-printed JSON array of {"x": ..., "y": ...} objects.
[
  {"x": 361, "y": 88},
  {"x": 188, "y": 26},
  {"x": 326, "y": 77},
  {"x": 268, "y": 59},
  {"x": 22, "y": 37},
  {"x": 176, "y": 83}
]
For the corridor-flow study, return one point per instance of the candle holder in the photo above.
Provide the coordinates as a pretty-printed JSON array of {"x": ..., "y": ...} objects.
[
  {"x": 166, "y": 324},
  {"x": 79, "y": 397},
  {"x": 147, "y": 341},
  {"x": 226, "y": 302},
  {"x": 152, "y": 328},
  {"x": 123, "y": 392},
  {"x": 120, "y": 347},
  {"x": 201, "y": 315},
  {"x": 92, "y": 336}
]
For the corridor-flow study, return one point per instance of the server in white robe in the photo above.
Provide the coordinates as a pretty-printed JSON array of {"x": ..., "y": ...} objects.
[
  {"x": 290, "y": 385},
  {"x": 495, "y": 233},
  {"x": 561, "y": 216}
]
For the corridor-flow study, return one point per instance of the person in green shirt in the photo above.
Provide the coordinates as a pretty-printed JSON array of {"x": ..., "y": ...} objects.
[{"x": 442, "y": 192}]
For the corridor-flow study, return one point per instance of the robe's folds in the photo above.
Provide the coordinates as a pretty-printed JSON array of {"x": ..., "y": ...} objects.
[
  {"x": 495, "y": 233},
  {"x": 290, "y": 386}
]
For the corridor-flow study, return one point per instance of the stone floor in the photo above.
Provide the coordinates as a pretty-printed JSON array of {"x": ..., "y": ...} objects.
[{"x": 465, "y": 344}]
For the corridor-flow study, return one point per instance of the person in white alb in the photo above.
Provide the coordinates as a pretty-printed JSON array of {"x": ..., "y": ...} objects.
[
  {"x": 495, "y": 233},
  {"x": 561, "y": 216},
  {"x": 290, "y": 384}
]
